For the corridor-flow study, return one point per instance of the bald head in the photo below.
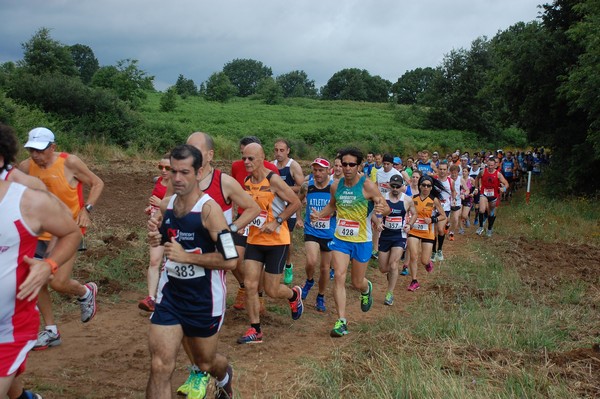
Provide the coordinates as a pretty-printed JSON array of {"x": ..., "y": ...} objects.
[
  {"x": 204, "y": 143},
  {"x": 254, "y": 150}
]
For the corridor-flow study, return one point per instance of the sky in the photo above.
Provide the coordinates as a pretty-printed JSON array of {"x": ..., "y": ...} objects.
[{"x": 196, "y": 38}]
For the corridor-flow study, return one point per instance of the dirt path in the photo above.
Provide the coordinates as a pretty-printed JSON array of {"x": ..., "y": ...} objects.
[{"x": 108, "y": 358}]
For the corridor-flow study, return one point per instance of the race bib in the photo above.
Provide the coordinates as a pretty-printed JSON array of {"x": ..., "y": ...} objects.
[
  {"x": 246, "y": 230},
  {"x": 508, "y": 169},
  {"x": 488, "y": 192},
  {"x": 393, "y": 222},
  {"x": 347, "y": 228},
  {"x": 260, "y": 220},
  {"x": 183, "y": 271},
  {"x": 322, "y": 223},
  {"x": 420, "y": 225}
]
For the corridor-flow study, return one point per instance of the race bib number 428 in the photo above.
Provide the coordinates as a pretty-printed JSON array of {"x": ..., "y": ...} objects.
[{"x": 347, "y": 228}]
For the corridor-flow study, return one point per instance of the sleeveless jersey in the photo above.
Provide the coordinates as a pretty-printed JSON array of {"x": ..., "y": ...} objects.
[
  {"x": 394, "y": 222},
  {"x": 383, "y": 180},
  {"x": 159, "y": 191},
  {"x": 192, "y": 289},
  {"x": 424, "y": 210},
  {"x": 508, "y": 167},
  {"x": 19, "y": 319},
  {"x": 239, "y": 173},
  {"x": 6, "y": 172},
  {"x": 353, "y": 212},
  {"x": 271, "y": 206},
  {"x": 425, "y": 168},
  {"x": 55, "y": 180},
  {"x": 446, "y": 194},
  {"x": 215, "y": 190},
  {"x": 457, "y": 190},
  {"x": 490, "y": 183},
  {"x": 286, "y": 174},
  {"x": 318, "y": 198},
  {"x": 474, "y": 173}
]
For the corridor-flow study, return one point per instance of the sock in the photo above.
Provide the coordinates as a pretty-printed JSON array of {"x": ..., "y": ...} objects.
[
  {"x": 52, "y": 328},
  {"x": 294, "y": 296},
  {"x": 440, "y": 242},
  {"x": 321, "y": 295},
  {"x": 224, "y": 381},
  {"x": 343, "y": 320},
  {"x": 260, "y": 294},
  {"x": 491, "y": 221},
  {"x": 288, "y": 266},
  {"x": 242, "y": 285},
  {"x": 88, "y": 292},
  {"x": 433, "y": 251},
  {"x": 24, "y": 395},
  {"x": 365, "y": 293},
  {"x": 480, "y": 219},
  {"x": 311, "y": 281},
  {"x": 256, "y": 326},
  {"x": 195, "y": 368}
]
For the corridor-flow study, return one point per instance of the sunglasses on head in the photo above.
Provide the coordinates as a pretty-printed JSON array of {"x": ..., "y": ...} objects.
[
  {"x": 351, "y": 164},
  {"x": 426, "y": 185},
  {"x": 164, "y": 167},
  {"x": 248, "y": 158}
]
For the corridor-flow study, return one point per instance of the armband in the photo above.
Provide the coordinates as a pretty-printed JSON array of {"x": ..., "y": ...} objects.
[
  {"x": 226, "y": 246},
  {"x": 53, "y": 265},
  {"x": 434, "y": 219}
]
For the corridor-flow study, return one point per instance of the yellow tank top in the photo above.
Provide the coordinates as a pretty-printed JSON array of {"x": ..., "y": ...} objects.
[{"x": 55, "y": 180}]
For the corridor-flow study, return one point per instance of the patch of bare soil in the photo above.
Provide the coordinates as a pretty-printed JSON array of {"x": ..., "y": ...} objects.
[{"x": 108, "y": 357}]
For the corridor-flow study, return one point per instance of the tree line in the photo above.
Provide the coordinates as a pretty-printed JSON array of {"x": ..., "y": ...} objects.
[{"x": 540, "y": 77}]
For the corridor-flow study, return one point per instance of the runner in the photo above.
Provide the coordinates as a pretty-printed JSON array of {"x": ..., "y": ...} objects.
[
  {"x": 64, "y": 175},
  {"x": 384, "y": 175},
  {"x": 394, "y": 228},
  {"x": 425, "y": 165},
  {"x": 489, "y": 186},
  {"x": 7, "y": 170},
  {"x": 466, "y": 197},
  {"x": 443, "y": 225},
  {"x": 291, "y": 173},
  {"x": 268, "y": 241},
  {"x": 338, "y": 171},
  {"x": 369, "y": 163},
  {"x": 353, "y": 198},
  {"x": 455, "y": 201},
  {"x": 422, "y": 234},
  {"x": 509, "y": 167},
  {"x": 191, "y": 303}
]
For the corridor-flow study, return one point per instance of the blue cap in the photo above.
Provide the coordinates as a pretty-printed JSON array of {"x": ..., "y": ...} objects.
[{"x": 397, "y": 160}]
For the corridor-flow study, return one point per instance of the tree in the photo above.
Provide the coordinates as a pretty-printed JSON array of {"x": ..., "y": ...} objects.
[
  {"x": 270, "y": 91},
  {"x": 412, "y": 86},
  {"x": 126, "y": 79},
  {"x": 42, "y": 54},
  {"x": 358, "y": 85},
  {"x": 245, "y": 74},
  {"x": 85, "y": 61},
  {"x": 168, "y": 101},
  {"x": 296, "y": 84},
  {"x": 219, "y": 88},
  {"x": 185, "y": 87}
]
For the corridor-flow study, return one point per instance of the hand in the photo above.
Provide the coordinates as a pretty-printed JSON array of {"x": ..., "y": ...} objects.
[
  {"x": 270, "y": 227},
  {"x": 300, "y": 223},
  {"x": 379, "y": 225},
  {"x": 154, "y": 238},
  {"x": 154, "y": 200},
  {"x": 39, "y": 274},
  {"x": 407, "y": 228},
  {"x": 154, "y": 222},
  {"x": 83, "y": 219},
  {"x": 314, "y": 215},
  {"x": 175, "y": 252}
]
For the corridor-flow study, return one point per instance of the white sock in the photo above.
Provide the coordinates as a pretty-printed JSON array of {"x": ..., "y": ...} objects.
[
  {"x": 53, "y": 329},
  {"x": 88, "y": 292},
  {"x": 221, "y": 384}
]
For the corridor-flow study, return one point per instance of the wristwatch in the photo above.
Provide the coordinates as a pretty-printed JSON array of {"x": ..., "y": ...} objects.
[
  {"x": 233, "y": 228},
  {"x": 279, "y": 220},
  {"x": 89, "y": 208}
]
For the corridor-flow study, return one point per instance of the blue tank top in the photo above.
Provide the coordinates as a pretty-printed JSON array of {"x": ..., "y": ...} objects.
[
  {"x": 508, "y": 168},
  {"x": 425, "y": 168},
  {"x": 318, "y": 198},
  {"x": 286, "y": 173}
]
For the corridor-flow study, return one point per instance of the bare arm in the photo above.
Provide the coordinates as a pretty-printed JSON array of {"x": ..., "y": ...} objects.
[
  {"x": 371, "y": 192},
  {"x": 329, "y": 209},
  {"x": 235, "y": 193},
  {"x": 21, "y": 177},
  {"x": 84, "y": 175}
]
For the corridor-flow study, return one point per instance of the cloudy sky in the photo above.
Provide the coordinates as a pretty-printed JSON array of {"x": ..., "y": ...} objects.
[{"x": 196, "y": 38}]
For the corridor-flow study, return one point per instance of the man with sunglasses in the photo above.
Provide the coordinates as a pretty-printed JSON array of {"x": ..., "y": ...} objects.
[
  {"x": 353, "y": 198},
  {"x": 64, "y": 175}
]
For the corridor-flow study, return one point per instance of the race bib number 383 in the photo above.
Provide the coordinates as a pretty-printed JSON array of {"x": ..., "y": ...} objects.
[
  {"x": 184, "y": 271},
  {"x": 347, "y": 228}
]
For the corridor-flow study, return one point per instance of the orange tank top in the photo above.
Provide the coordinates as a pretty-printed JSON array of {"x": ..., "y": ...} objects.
[
  {"x": 55, "y": 180},
  {"x": 424, "y": 210},
  {"x": 270, "y": 207}
]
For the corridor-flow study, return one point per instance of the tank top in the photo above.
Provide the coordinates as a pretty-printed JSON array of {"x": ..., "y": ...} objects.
[
  {"x": 55, "y": 180},
  {"x": 490, "y": 184},
  {"x": 353, "y": 212},
  {"x": 159, "y": 191},
  {"x": 318, "y": 198},
  {"x": 19, "y": 319},
  {"x": 508, "y": 167},
  {"x": 425, "y": 168},
  {"x": 286, "y": 174},
  {"x": 425, "y": 209},
  {"x": 446, "y": 194},
  {"x": 215, "y": 190},
  {"x": 394, "y": 222},
  {"x": 271, "y": 206},
  {"x": 194, "y": 289},
  {"x": 6, "y": 172}
]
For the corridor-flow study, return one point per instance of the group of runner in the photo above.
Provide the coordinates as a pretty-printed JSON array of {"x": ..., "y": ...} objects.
[{"x": 203, "y": 222}]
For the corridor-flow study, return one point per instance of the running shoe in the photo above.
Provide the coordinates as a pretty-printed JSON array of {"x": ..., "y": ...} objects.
[
  {"x": 480, "y": 231},
  {"x": 288, "y": 274},
  {"x": 446, "y": 228},
  {"x": 147, "y": 304},
  {"x": 476, "y": 222},
  {"x": 461, "y": 231},
  {"x": 451, "y": 236},
  {"x": 489, "y": 233},
  {"x": 404, "y": 271},
  {"x": 185, "y": 388},
  {"x": 297, "y": 306},
  {"x": 440, "y": 255},
  {"x": 331, "y": 274},
  {"x": 375, "y": 255},
  {"x": 366, "y": 300},
  {"x": 320, "y": 305},
  {"x": 307, "y": 286},
  {"x": 31, "y": 395},
  {"x": 226, "y": 391},
  {"x": 467, "y": 223},
  {"x": 414, "y": 285},
  {"x": 339, "y": 329},
  {"x": 199, "y": 385},
  {"x": 240, "y": 299},
  {"x": 46, "y": 339},
  {"x": 88, "y": 304},
  {"x": 429, "y": 267},
  {"x": 389, "y": 299},
  {"x": 251, "y": 337}
]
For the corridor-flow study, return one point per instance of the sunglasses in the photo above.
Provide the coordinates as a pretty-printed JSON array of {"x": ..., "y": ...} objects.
[
  {"x": 351, "y": 164},
  {"x": 251, "y": 159},
  {"x": 426, "y": 185},
  {"x": 395, "y": 186},
  {"x": 164, "y": 167}
]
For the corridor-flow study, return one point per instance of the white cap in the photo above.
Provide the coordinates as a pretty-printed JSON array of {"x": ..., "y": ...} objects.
[{"x": 39, "y": 138}]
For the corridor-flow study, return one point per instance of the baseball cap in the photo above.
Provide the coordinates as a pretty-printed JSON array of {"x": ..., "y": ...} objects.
[
  {"x": 321, "y": 162},
  {"x": 39, "y": 138},
  {"x": 397, "y": 161},
  {"x": 436, "y": 153},
  {"x": 396, "y": 179}
]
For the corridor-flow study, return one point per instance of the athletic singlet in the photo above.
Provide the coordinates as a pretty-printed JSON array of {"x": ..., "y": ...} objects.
[
  {"x": 6, "y": 172},
  {"x": 383, "y": 180},
  {"x": 490, "y": 184},
  {"x": 425, "y": 168},
  {"x": 271, "y": 206},
  {"x": 192, "y": 288},
  {"x": 318, "y": 198},
  {"x": 373, "y": 173},
  {"x": 286, "y": 174},
  {"x": 159, "y": 191},
  {"x": 394, "y": 222},
  {"x": 508, "y": 167},
  {"x": 457, "y": 191},
  {"x": 55, "y": 180},
  {"x": 215, "y": 190},
  {"x": 353, "y": 212},
  {"x": 239, "y": 173},
  {"x": 474, "y": 173},
  {"x": 446, "y": 194},
  {"x": 425, "y": 209},
  {"x": 19, "y": 319}
]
